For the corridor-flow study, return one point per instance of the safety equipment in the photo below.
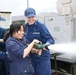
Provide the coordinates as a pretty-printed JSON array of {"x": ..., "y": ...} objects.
[{"x": 41, "y": 46}]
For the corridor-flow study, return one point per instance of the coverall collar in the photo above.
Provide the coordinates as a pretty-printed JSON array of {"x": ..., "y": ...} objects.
[{"x": 35, "y": 23}]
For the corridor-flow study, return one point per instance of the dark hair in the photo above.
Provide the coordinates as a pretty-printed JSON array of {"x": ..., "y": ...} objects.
[{"x": 14, "y": 27}]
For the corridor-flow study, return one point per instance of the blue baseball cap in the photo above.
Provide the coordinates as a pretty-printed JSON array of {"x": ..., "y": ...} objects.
[
  {"x": 2, "y": 19},
  {"x": 29, "y": 12}
]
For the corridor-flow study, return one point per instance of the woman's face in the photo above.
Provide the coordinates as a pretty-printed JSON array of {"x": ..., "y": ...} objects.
[
  {"x": 19, "y": 34},
  {"x": 30, "y": 20}
]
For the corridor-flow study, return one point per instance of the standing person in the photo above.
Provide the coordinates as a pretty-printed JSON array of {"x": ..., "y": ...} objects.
[
  {"x": 37, "y": 30},
  {"x": 2, "y": 52},
  {"x": 4, "y": 60},
  {"x": 18, "y": 50}
]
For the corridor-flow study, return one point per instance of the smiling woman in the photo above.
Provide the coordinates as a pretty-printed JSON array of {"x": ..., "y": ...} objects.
[
  {"x": 18, "y": 50},
  {"x": 38, "y": 30}
]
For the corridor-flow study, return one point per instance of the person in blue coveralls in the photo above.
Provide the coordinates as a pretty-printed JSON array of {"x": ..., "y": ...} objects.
[
  {"x": 18, "y": 50},
  {"x": 4, "y": 60},
  {"x": 37, "y": 30},
  {"x": 2, "y": 52}
]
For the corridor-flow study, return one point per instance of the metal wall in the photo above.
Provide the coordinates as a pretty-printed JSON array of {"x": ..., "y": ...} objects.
[
  {"x": 65, "y": 7},
  {"x": 63, "y": 30},
  {"x": 7, "y": 22},
  {"x": 60, "y": 27},
  {"x": 75, "y": 29}
]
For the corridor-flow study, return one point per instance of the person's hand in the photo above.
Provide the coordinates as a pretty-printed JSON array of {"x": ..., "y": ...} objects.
[
  {"x": 39, "y": 52},
  {"x": 44, "y": 49},
  {"x": 1, "y": 40},
  {"x": 36, "y": 41},
  {"x": 34, "y": 50}
]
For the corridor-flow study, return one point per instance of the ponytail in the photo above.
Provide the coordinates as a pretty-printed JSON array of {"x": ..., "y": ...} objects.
[{"x": 7, "y": 34}]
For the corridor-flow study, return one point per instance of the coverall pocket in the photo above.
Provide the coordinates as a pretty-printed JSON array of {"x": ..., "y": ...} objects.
[
  {"x": 27, "y": 70},
  {"x": 24, "y": 69}
]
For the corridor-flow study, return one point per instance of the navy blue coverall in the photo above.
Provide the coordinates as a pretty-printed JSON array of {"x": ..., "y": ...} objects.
[
  {"x": 19, "y": 65},
  {"x": 4, "y": 60},
  {"x": 39, "y": 31}
]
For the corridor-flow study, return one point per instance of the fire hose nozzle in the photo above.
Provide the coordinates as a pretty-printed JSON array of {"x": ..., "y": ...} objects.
[{"x": 41, "y": 46}]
